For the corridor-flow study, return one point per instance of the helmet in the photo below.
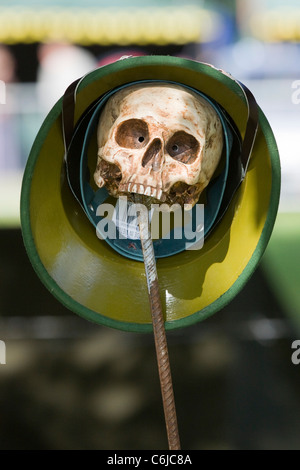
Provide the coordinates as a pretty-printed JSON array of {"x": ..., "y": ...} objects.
[{"x": 104, "y": 281}]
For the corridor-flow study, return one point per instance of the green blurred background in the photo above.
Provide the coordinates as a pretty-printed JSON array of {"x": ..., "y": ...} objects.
[{"x": 69, "y": 384}]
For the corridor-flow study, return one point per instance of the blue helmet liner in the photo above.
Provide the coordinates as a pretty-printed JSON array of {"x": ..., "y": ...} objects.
[{"x": 173, "y": 242}]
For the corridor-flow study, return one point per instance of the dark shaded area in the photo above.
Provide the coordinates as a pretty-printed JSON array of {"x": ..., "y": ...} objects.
[
  {"x": 21, "y": 290},
  {"x": 90, "y": 387}
]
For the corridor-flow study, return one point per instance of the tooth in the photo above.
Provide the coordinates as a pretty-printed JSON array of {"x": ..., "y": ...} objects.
[
  {"x": 148, "y": 191},
  {"x": 153, "y": 193},
  {"x": 134, "y": 189},
  {"x": 100, "y": 182},
  {"x": 141, "y": 190},
  {"x": 129, "y": 186},
  {"x": 159, "y": 194}
]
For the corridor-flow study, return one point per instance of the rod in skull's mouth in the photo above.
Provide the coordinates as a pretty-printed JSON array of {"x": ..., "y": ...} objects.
[{"x": 143, "y": 206}]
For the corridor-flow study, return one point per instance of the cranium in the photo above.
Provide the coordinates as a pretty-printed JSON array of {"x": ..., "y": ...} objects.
[{"x": 160, "y": 140}]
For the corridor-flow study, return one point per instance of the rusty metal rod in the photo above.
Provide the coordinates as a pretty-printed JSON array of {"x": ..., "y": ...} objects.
[{"x": 160, "y": 338}]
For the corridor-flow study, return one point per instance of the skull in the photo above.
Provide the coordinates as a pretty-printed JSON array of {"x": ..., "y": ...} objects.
[{"x": 159, "y": 140}]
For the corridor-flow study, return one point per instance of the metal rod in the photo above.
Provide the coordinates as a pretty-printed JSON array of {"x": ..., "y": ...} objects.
[{"x": 158, "y": 328}]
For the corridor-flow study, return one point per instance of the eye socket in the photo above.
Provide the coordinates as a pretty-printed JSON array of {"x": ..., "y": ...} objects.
[
  {"x": 183, "y": 147},
  {"x": 132, "y": 134}
]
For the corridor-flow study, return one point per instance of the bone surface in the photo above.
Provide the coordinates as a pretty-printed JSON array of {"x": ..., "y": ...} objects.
[{"x": 159, "y": 140}]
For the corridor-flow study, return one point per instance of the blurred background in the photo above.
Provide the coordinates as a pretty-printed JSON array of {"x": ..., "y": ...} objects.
[{"x": 69, "y": 384}]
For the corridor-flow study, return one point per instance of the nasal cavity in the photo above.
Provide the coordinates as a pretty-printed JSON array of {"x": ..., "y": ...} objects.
[{"x": 153, "y": 152}]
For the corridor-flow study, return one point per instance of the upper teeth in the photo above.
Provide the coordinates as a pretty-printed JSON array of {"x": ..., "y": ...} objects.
[{"x": 141, "y": 189}]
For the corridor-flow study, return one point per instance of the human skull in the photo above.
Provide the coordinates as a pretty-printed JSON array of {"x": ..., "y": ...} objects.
[{"x": 159, "y": 140}]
